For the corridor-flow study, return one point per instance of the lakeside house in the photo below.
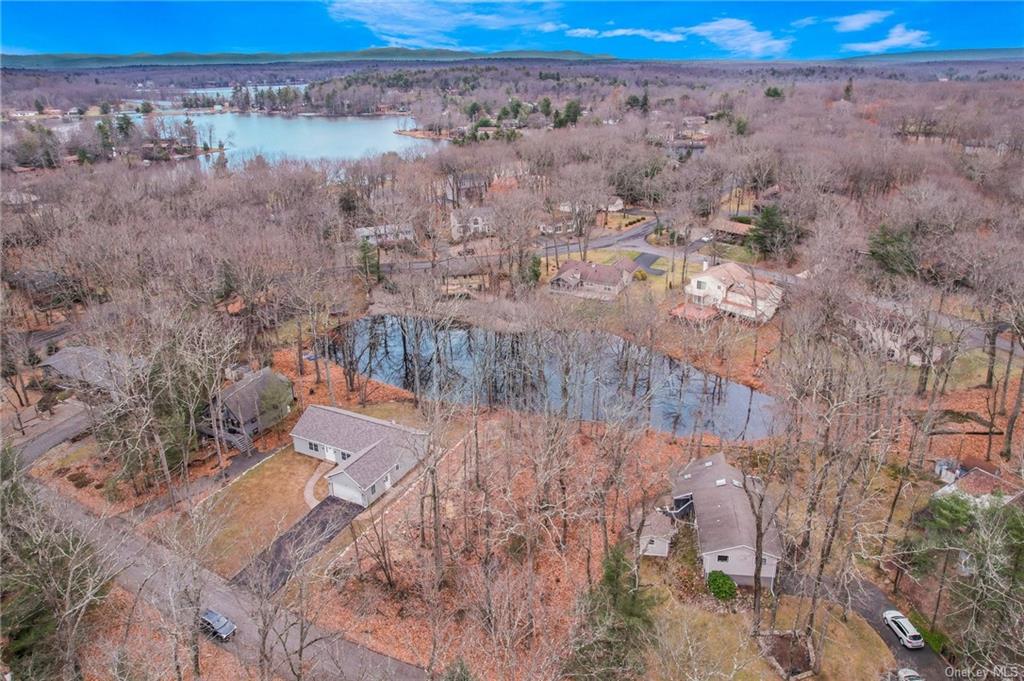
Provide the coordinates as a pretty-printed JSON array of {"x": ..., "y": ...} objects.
[
  {"x": 371, "y": 455},
  {"x": 710, "y": 492},
  {"x": 384, "y": 235},
  {"x": 731, "y": 289},
  {"x": 465, "y": 277},
  {"x": 593, "y": 280},
  {"x": 897, "y": 336},
  {"x": 467, "y": 223},
  {"x": 251, "y": 405}
]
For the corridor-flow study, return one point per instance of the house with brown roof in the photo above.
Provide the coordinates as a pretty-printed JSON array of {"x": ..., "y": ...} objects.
[
  {"x": 593, "y": 280},
  {"x": 984, "y": 488},
  {"x": 710, "y": 492},
  {"x": 371, "y": 455},
  {"x": 730, "y": 231},
  {"x": 732, "y": 289}
]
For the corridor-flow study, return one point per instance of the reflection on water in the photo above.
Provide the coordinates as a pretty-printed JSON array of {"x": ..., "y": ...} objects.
[
  {"x": 306, "y": 138},
  {"x": 582, "y": 374}
]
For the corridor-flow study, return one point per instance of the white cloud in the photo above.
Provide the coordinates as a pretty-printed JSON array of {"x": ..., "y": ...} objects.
[
  {"x": 649, "y": 34},
  {"x": 551, "y": 27},
  {"x": 430, "y": 23},
  {"x": 899, "y": 36},
  {"x": 805, "y": 22},
  {"x": 739, "y": 38},
  {"x": 656, "y": 36},
  {"x": 860, "y": 21}
]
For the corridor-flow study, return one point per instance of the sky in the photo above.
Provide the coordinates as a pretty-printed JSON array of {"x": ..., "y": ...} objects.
[{"x": 640, "y": 30}]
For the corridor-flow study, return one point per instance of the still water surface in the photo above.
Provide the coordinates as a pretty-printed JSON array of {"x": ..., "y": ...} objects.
[
  {"x": 306, "y": 138},
  {"x": 582, "y": 374}
]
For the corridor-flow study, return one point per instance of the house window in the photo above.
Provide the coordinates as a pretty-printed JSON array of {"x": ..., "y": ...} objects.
[
  {"x": 344, "y": 456},
  {"x": 314, "y": 447},
  {"x": 650, "y": 541},
  {"x": 373, "y": 489},
  {"x": 723, "y": 559},
  {"x": 700, "y": 285}
]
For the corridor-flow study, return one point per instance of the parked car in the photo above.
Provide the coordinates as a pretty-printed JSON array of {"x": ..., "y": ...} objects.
[
  {"x": 905, "y": 631},
  {"x": 217, "y": 625},
  {"x": 707, "y": 237},
  {"x": 908, "y": 675}
]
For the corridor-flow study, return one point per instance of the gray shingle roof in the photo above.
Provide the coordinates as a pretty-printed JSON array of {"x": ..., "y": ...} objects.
[
  {"x": 243, "y": 397},
  {"x": 722, "y": 510},
  {"x": 374, "y": 445},
  {"x": 98, "y": 368}
]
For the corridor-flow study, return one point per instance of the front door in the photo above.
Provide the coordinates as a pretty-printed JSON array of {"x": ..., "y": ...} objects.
[
  {"x": 331, "y": 454},
  {"x": 387, "y": 481}
]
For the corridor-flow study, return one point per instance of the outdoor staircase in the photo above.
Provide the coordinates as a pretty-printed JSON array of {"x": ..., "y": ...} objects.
[{"x": 240, "y": 441}]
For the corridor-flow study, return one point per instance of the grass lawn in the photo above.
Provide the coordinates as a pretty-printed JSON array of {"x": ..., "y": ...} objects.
[
  {"x": 78, "y": 452},
  {"x": 257, "y": 507},
  {"x": 619, "y": 221},
  {"x": 740, "y": 254}
]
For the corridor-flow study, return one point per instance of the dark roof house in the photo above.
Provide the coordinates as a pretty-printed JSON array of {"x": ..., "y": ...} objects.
[{"x": 256, "y": 401}]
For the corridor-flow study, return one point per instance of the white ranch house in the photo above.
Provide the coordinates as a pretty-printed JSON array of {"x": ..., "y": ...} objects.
[{"x": 371, "y": 455}]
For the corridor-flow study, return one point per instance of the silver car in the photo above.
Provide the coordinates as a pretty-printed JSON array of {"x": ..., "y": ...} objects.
[
  {"x": 908, "y": 675},
  {"x": 905, "y": 631}
]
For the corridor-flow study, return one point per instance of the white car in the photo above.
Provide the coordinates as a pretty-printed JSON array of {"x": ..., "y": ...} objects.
[
  {"x": 908, "y": 675},
  {"x": 905, "y": 631},
  {"x": 706, "y": 238}
]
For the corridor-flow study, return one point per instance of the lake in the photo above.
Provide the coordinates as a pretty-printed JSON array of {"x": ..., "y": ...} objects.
[
  {"x": 306, "y": 138},
  {"x": 588, "y": 375}
]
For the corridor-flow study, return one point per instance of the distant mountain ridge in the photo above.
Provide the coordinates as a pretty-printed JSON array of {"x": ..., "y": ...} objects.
[
  {"x": 70, "y": 60},
  {"x": 403, "y": 54},
  {"x": 982, "y": 54}
]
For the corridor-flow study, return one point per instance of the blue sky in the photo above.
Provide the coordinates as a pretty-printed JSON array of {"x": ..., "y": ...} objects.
[{"x": 649, "y": 30}]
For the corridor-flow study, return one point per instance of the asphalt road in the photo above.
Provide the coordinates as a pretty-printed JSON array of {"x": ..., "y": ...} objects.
[
  {"x": 148, "y": 568},
  {"x": 60, "y": 431}
]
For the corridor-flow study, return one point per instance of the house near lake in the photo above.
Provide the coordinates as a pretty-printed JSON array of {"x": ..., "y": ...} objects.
[
  {"x": 593, "y": 280},
  {"x": 731, "y": 289},
  {"x": 467, "y": 223},
  {"x": 371, "y": 455},
  {"x": 249, "y": 406},
  {"x": 710, "y": 492}
]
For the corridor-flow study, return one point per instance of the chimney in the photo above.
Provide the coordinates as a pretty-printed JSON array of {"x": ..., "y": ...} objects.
[{"x": 704, "y": 267}]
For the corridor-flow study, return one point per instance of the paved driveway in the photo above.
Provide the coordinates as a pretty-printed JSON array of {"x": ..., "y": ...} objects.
[
  {"x": 308, "y": 536},
  {"x": 870, "y": 602}
]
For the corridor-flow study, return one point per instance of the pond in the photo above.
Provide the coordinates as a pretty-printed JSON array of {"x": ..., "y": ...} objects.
[
  {"x": 304, "y": 138},
  {"x": 588, "y": 375}
]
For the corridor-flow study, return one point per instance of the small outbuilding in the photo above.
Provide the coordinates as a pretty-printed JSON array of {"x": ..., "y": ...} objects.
[{"x": 656, "y": 534}]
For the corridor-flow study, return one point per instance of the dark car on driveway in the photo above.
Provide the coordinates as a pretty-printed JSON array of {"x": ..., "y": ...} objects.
[{"x": 217, "y": 625}]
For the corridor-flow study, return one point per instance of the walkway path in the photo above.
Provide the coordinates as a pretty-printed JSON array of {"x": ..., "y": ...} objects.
[{"x": 309, "y": 491}]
